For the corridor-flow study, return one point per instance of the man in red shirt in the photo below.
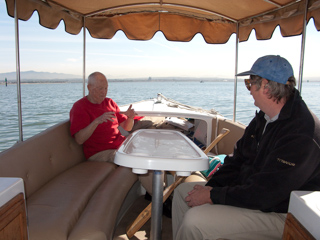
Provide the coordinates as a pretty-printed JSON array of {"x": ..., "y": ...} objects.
[{"x": 94, "y": 122}]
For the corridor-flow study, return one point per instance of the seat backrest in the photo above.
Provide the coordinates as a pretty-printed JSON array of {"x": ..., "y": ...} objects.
[
  {"x": 41, "y": 157},
  {"x": 226, "y": 145}
]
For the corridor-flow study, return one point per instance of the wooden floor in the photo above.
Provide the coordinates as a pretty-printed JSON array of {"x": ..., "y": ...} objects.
[{"x": 144, "y": 232}]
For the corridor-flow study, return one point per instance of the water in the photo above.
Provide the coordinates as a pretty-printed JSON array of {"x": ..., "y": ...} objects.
[{"x": 44, "y": 105}]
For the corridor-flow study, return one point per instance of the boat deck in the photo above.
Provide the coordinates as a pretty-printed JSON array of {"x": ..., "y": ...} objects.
[{"x": 144, "y": 232}]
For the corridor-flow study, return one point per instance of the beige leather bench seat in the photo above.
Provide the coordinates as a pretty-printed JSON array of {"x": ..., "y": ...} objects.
[
  {"x": 102, "y": 213},
  {"x": 55, "y": 208},
  {"x": 68, "y": 197}
]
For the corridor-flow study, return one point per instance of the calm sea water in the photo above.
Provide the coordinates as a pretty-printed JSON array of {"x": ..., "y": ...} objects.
[{"x": 44, "y": 105}]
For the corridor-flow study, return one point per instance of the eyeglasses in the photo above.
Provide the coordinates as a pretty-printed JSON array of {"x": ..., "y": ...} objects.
[{"x": 249, "y": 83}]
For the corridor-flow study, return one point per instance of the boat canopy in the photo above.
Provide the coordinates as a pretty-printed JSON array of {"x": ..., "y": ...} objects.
[{"x": 178, "y": 20}]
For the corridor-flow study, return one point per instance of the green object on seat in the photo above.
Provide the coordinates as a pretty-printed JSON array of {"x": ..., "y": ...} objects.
[{"x": 214, "y": 163}]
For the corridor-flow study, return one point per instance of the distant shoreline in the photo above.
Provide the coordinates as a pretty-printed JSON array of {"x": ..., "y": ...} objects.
[
  {"x": 118, "y": 80},
  {"x": 203, "y": 80},
  {"x": 49, "y": 77}
]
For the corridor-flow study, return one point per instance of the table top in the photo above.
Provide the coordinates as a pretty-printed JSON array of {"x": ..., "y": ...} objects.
[{"x": 161, "y": 149}]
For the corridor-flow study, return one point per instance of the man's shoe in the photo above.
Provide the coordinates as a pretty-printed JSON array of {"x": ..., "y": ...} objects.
[
  {"x": 167, "y": 207},
  {"x": 148, "y": 197}
]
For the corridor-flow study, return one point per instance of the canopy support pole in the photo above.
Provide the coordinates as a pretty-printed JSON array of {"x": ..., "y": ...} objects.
[
  {"x": 235, "y": 75},
  {"x": 18, "y": 70},
  {"x": 84, "y": 57},
  {"x": 303, "y": 45}
]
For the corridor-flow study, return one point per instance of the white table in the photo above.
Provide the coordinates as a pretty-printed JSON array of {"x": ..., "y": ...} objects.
[{"x": 160, "y": 150}]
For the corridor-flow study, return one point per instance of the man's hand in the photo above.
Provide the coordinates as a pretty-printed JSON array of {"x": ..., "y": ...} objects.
[
  {"x": 128, "y": 124},
  {"x": 107, "y": 116},
  {"x": 198, "y": 196},
  {"x": 130, "y": 113},
  {"x": 86, "y": 132}
]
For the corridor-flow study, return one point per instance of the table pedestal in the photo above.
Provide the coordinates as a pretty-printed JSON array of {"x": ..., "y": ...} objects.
[
  {"x": 157, "y": 205},
  {"x": 160, "y": 150}
]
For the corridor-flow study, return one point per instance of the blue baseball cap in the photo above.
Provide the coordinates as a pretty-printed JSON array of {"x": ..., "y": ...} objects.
[{"x": 271, "y": 67}]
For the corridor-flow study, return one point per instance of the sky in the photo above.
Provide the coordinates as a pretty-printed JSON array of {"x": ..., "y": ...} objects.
[{"x": 47, "y": 50}]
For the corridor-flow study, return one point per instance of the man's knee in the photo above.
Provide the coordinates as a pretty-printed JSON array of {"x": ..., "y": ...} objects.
[
  {"x": 190, "y": 218},
  {"x": 189, "y": 228},
  {"x": 180, "y": 190},
  {"x": 186, "y": 187}
]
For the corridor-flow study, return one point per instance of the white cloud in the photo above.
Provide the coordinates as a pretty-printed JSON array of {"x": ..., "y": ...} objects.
[{"x": 74, "y": 60}]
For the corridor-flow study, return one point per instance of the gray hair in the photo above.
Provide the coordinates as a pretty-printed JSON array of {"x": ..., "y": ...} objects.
[
  {"x": 93, "y": 76},
  {"x": 277, "y": 91}
]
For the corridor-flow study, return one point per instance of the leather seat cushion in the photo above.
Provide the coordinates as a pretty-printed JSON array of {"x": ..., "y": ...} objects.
[{"x": 55, "y": 208}]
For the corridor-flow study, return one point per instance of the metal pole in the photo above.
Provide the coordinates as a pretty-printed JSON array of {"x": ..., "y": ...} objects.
[
  {"x": 18, "y": 70},
  {"x": 303, "y": 45},
  {"x": 235, "y": 77},
  {"x": 156, "y": 208},
  {"x": 84, "y": 56}
]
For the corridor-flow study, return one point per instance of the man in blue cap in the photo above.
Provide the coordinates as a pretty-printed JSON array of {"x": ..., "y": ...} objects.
[{"x": 279, "y": 152}]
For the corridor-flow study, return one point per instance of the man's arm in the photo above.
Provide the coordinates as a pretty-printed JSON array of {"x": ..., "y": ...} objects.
[
  {"x": 86, "y": 132},
  {"x": 129, "y": 122},
  {"x": 283, "y": 170}
]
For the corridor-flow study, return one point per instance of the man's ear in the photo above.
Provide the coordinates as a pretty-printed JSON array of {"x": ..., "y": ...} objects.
[{"x": 265, "y": 85}]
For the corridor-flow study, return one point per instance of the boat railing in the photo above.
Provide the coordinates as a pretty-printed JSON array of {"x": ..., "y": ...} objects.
[{"x": 174, "y": 103}]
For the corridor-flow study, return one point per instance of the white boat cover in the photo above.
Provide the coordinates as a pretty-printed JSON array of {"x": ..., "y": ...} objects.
[{"x": 179, "y": 20}]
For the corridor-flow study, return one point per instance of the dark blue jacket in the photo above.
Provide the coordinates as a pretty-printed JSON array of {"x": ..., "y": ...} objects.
[{"x": 264, "y": 169}]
